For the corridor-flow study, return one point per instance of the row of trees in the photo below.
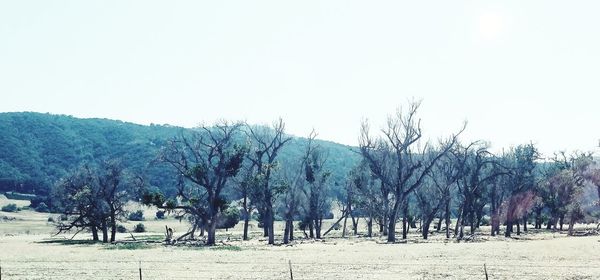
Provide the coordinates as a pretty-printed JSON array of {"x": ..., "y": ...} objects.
[{"x": 401, "y": 178}]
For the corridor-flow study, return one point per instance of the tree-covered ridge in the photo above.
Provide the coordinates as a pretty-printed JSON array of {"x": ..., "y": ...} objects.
[{"x": 38, "y": 149}]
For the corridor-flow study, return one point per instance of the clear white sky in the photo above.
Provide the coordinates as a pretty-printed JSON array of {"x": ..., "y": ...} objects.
[{"x": 518, "y": 71}]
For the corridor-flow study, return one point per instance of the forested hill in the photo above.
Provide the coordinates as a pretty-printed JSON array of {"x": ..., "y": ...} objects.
[{"x": 38, "y": 149}]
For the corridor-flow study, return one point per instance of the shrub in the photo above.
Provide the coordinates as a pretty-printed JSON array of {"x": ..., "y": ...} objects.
[
  {"x": 136, "y": 216},
  {"x": 139, "y": 228},
  {"x": 42, "y": 207},
  {"x": 10, "y": 208},
  {"x": 160, "y": 215},
  {"x": 229, "y": 218},
  {"x": 50, "y": 219},
  {"x": 121, "y": 229},
  {"x": 64, "y": 217}
]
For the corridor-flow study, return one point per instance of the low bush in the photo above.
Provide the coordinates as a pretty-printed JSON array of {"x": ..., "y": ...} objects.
[
  {"x": 10, "y": 208},
  {"x": 139, "y": 228},
  {"x": 121, "y": 229},
  {"x": 136, "y": 216},
  {"x": 160, "y": 215}
]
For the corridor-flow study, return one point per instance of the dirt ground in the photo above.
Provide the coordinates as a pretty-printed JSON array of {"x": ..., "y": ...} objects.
[{"x": 28, "y": 250}]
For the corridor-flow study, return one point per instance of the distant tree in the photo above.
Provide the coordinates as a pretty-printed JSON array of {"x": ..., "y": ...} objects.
[
  {"x": 368, "y": 196},
  {"x": 266, "y": 145},
  {"x": 520, "y": 185},
  {"x": 405, "y": 163},
  {"x": 477, "y": 169},
  {"x": 316, "y": 176},
  {"x": 207, "y": 159},
  {"x": 94, "y": 198}
]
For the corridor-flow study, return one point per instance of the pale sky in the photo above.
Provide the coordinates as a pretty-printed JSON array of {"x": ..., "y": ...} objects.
[{"x": 518, "y": 71}]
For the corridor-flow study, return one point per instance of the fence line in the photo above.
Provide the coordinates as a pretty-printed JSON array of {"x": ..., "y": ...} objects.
[{"x": 279, "y": 269}]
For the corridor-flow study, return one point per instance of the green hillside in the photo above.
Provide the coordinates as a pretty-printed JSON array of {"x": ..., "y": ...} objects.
[{"x": 38, "y": 149}]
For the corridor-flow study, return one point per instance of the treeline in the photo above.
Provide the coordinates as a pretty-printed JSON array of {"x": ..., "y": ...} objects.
[{"x": 393, "y": 177}]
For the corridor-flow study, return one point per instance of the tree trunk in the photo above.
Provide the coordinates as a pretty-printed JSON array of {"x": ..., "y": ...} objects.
[
  {"x": 439, "y": 223},
  {"x": 447, "y": 219},
  {"x": 509, "y": 218},
  {"x": 405, "y": 220},
  {"x": 246, "y": 217},
  {"x": 311, "y": 229},
  {"x": 518, "y": 228},
  {"x": 354, "y": 224},
  {"x": 270, "y": 225},
  {"x": 525, "y": 222},
  {"x": 318, "y": 224},
  {"x": 571, "y": 224},
  {"x": 344, "y": 227},
  {"x": 392, "y": 222},
  {"x": 95, "y": 233},
  {"x": 386, "y": 214},
  {"x": 212, "y": 230},
  {"x": 286, "y": 232},
  {"x": 370, "y": 227},
  {"x": 425, "y": 226},
  {"x": 113, "y": 227},
  {"x": 291, "y": 229},
  {"x": 104, "y": 232}
]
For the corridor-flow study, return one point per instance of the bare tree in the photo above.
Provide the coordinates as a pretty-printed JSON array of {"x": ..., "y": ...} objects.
[
  {"x": 94, "y": 197},
  {"x": 406, "y": 164},
  {"x": 316, "y": 177},
  {"x": 266, "y": 144},
  {"x": 207, "y": 159}
]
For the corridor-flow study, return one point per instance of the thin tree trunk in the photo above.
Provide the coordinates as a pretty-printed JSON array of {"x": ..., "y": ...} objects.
[
  {"x": 344, "y": 227},
  {"x": 447, "y": 219},
  {"x": 286, "y": 232},
  {"x": 271, "y": 226},
  {"x": 95, "y": 233},
  {"x": 425, "y": 226},
  {"x": 104, "y": 232},
  {"x": 291, "y": 229},
  {"x": 571, "y": 224},
  {"x": 405, "y": 220},
  {"x": 113, "y": 227},
  {"x": 246, "y": 217},
  {"x": 370, "y": 227}
]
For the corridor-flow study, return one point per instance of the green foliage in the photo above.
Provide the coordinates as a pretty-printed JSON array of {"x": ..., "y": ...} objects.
[
  {"x": 39, "y": 149},
  {"x": 121, "y": 229},
  {"x": 139, "y": 228},
  {"x": 10, "y": 208},
  {"x": 136, "y": 216},
  {"x": 229, "y": 218}
]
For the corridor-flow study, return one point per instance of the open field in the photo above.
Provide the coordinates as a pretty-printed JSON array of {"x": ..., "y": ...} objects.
[{"x": 29, "y": 251}]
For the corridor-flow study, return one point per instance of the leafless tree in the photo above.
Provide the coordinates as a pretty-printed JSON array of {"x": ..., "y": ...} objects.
[
  {"x": 207, "y": 158},
  {"x": 266, "y": 144},
  {"x": 316, "y": 176},
  {"x": 406, "y": 162}
]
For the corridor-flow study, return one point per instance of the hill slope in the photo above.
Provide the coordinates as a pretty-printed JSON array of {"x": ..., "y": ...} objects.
[{"x": 38, "y": 149}]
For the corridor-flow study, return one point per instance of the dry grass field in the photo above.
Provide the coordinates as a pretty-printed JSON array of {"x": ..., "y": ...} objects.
[{"x": 28, "y": 250}]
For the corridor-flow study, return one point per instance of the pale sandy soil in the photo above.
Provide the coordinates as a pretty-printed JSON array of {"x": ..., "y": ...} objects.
[{"x": 543, "y": 255}]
